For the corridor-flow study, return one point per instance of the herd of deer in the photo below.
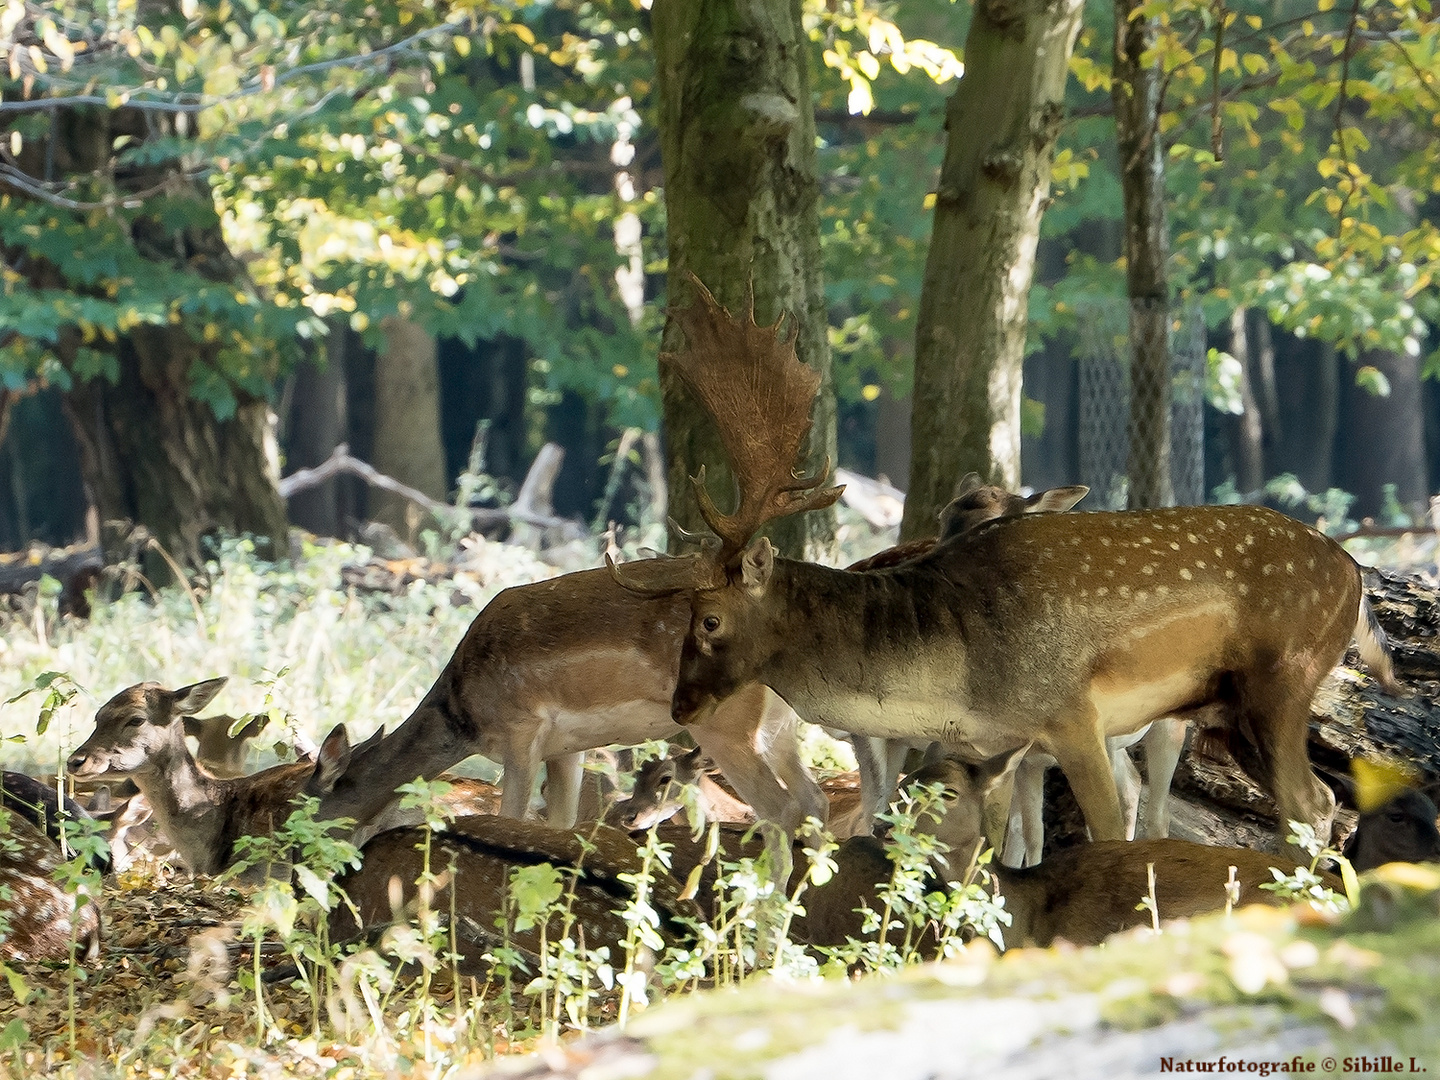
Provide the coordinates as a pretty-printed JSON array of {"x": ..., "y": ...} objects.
[{"x": 1022, "y": 637}]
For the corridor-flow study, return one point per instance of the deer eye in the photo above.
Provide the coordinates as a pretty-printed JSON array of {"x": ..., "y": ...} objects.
[
  {"x": 710, "y": 623},
  {"x": 135, "y": 721}
]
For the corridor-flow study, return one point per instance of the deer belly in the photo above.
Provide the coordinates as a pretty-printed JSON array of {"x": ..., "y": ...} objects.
[
  {"x": 624, "y": 723},
  {"x": 1126, "y": 707},
  {"x": 915, "y": 719}
]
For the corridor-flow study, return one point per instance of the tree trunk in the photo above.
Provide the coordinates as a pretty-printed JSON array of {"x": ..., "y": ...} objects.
[
  {"x": 970, "y": 339},
  {"x": 892, "y": 439},
  {"x": 1136, "y": 94},
  {"x": 1384, "y": 439},
  {"x": 317, "y": 425},
  {"x": 407, "y": 421},
  {"x": 153, "y": 455},
  {"x": 1249, "y": 433},
  {"x": 737, "y": 131},
  {"x": 1307, "y": 380},
  {"x": 150, "y": 453}
]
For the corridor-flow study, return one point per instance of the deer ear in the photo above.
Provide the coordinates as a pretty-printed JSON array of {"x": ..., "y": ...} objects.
[
  {"x": 968, "y": 483},
  {"x": 192, "y": 726},
  {"x": 757, "y": 565},
  {"x": 189, "y": 700},
  {"x": 989, "y": 775},
  {"x": 1055, "y": 500},
  {"x": 332, "y": 760}
]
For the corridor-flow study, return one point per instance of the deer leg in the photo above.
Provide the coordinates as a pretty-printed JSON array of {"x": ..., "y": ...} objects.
[
  {"x": 1163, "y": 744},
  {"x": 517, "y": 783},
  {"x": 872, "y": 757},
  {"x": 1080, "y": 750},
  {"x": 563, "y": 776},
  {"x": 1127, "y": 786},
  {"x": 1279, "y": 717},
  {"x": 1025, "y": 837}
]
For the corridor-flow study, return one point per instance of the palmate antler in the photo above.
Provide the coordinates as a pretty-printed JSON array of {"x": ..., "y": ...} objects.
[{"x": 750, "y": 380}]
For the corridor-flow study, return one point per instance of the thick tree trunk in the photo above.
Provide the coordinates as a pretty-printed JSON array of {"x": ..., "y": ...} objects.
[
  {"x": 407, "y": 421},
  {"x": 1385, "y": 436},
  {"x": 317, "y": 424},
  {"x": 150, "y": 453},
  {"x": 737, "y": 131},
  {"x": 970, "y": 337},
  {"x": 892, "y": 439},
  {"x": 1307, "y": 380},
  {"x": 155, "y": 456},
  {"x": 1136, "y": 94}
]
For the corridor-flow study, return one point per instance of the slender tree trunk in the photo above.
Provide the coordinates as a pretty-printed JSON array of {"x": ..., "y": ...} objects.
[
  {"x": 737, "y": 132},
  {"x": 1249, "y": 434},
  {"x": 1136, "y": 94},
  {"x": 153, "y": 455},
  {"x": 970, "y": 339},
  {"x": 407, "y": 421},
  {"x": 317, "y": 425},
  {"x": 1385, "y": 436}
]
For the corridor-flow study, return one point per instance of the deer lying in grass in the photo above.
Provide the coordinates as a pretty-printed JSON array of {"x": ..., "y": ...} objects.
[
  {"x": 218, "y": 752},
  {"x": 1402, "y": 830},
  {"x": 42, "y": 916},
  {"x": 40, "y": 805},
  {"x": 474, "y": 857},
  {"x": 138, "y": 733},
  {"x": 657, "y": 796},
  {"x": 1051, "y": 630},
  {"x": 1085, "y": 893}
]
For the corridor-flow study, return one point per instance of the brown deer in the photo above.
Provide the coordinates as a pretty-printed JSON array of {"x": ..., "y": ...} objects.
[
  {"x": 465, "y": 797},
  {"x": 216, "y": 750},
  {"x": 42, "y": 917},
  {"x": 1402, "y": 830},
  {"x": 1051, "y": 630},
  {"x": 1085, "y": 893},
  {"x": 656, "y": 795},
  {"x": 551, "y": 669},
  {"x": 474, "y": 857},
  {"x": 138, "y": 733}
]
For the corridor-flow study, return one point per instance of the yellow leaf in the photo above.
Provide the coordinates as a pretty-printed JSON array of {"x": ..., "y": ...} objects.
[
  {"x": 929, "y": 203},
  {"x": 462, "y": 45},
  {"x": 868, "y": 65},
  {"x": 1325, "y": 5},
  {"x": 870, "y": 392},
  {"x": 1254, "y": 21},
  {"x": 523, "y": 32},
  {"x": 1380, "y": 779}
]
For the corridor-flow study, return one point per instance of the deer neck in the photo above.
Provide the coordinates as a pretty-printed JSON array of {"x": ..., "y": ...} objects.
[
  {"x": 189, "y": 806},
  {"x": 882, "y": 634}
]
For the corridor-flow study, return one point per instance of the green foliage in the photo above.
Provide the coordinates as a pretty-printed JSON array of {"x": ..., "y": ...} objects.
[{"x": 1308, "y": 197}]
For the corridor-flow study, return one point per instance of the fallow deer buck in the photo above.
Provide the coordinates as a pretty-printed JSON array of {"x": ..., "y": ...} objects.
[
  {"x": 1057, "y": 630},
  {"x": 139, "y": 733}
]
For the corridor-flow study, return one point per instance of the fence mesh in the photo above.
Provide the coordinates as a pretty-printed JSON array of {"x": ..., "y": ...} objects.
[{"x": 1103, "y": 354}]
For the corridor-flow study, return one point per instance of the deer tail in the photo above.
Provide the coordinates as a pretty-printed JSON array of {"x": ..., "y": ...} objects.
[{"x": 1370, "y": 638}]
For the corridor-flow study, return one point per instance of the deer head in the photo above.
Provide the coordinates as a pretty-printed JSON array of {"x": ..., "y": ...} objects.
[
  {"x": 217, "y": 748},
  {"x": 138, "y": 726}
]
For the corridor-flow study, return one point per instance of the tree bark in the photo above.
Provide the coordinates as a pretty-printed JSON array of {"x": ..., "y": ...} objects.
[
  {"x": 1249, "y": 432},
  {"x": 1385, "y": 436},
  {"x": 970, "y": 339},
  {"x": 737, "y": 131},
  {"x": 407, "y": 421},
  {"x": 1135, "y": 91},
  {"x": 153, "y": 455},
  {"x": 317, "y": 424}
]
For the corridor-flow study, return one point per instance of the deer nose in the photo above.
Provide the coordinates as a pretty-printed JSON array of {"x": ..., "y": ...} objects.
[{"x": 77, "y": 761}]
